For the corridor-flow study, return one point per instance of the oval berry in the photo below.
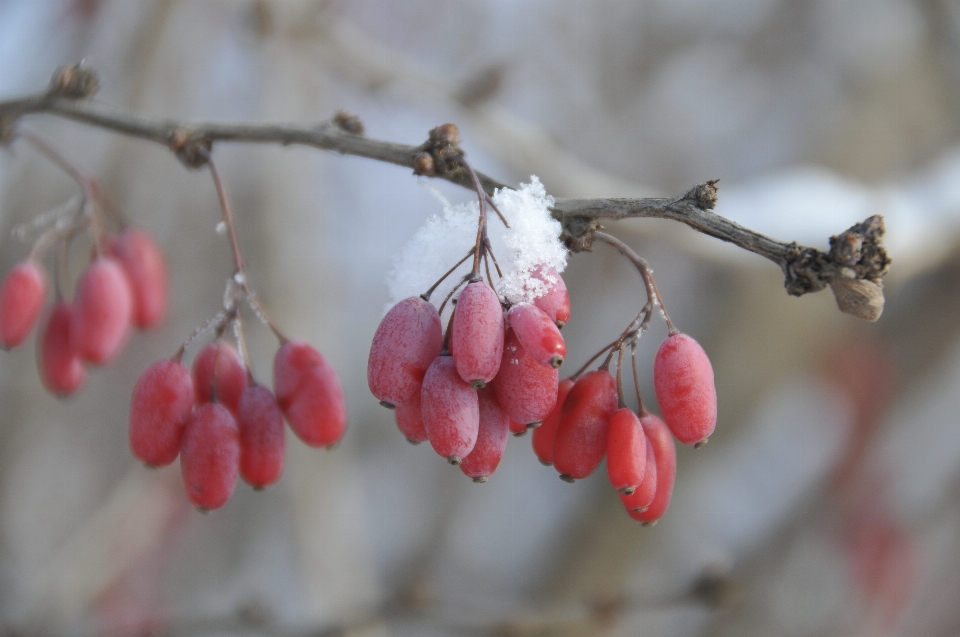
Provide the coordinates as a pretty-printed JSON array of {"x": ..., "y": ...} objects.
[
  {"x": 665, "y": 461},
  {"x": 210, "y": 456},
  {"x": 262, "y": 443},
  {"x": 642, "y": 497},
  {"x": 161, "y": 403},
  {"x": 581, "y": 438},
  {"x": 21, "y": 299},
  {"x": 527, "y": 390},
  {"x": 626, "y": 451},
  {"x": 485, "y": 457},
  {"x": 219, "y": 375},
  {"x": 476, "y": 338},
  {"x": 309, "y": 394},
  {"x": 146, "y": 268},
  {"x": 683, "y": 380},
  {"x": 409, "y": 417},
  {"x": 451, "y": 411},
  {"x": 102, "y": 307},
  {"x": 538, "y": 334},
  {"x": 544, "y": 435},
  {"x": 60, "y": 368},
  {"x": 555, "y": 302},
  {"x": 407, "y": 340}
]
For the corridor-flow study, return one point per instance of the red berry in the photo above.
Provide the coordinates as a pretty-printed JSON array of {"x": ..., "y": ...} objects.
[
  {"x": 626, "y": 451},
  {"x": 309, "y": 394},
  {"x": 102, "y": 308},
  {"x": 683, "y": 380},
  {"x": 538, "y": 334},
  {"x": 477, "y": 334},
  {"x": 451, "y": 411},
  {"x": 665, "y": 456},
  {"x": 581, "y": 438},
  {"x": 146, "y": 268},
  {"x": 544, "y": 435},
  {"x": 555, "y": 303},
  {"x": 407, "y": 340},
  {"x": 517, "y": 428},
  {"x": 60, "y": 368},
  {"x": 210, "y": 455},
  {"x": 641, "y": 499},
  {"x": 21, "y": 299},
  {"x": 262, "y": 443},
  {"x": 527, "y": 390},
  {"x": 161, "y": 403},
  {"x": 483, "y": 460},
  {"x": 409, "y": 416},
  {"x": 219, "y": 375}
]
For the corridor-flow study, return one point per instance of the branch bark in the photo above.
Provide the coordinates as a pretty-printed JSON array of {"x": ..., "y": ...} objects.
[{"x": 854, "y": 266}]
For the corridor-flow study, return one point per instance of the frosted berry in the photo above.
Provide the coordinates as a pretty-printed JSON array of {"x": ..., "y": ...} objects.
[
  {"x": 161, "y": 403},
  {"x": 483, "y": 460},
  {"x": 409, "y": 416},
  {"x": 102, "y": 308},
  {"x": 21, "y": 299},
  {"x": 219, "y": 375},
  {"x": 309, "y": 394},
  {"x": 683, "y": 380},
  {"x": 626, "y": 451},
  {"x": 555, "y": 303},
  {"x": 146, "y": 268},
  {"x": 262, "y": 443},
  {"x": 581, "y": 438},
  {"x": 538, "y": 334},
  {"x": 665, "y": 456},
  {"x": 451, "y": 411},
  {"x": 527, "y": 390},
  {"x": 544, "y": 435},
  {"x": 60, "y": 368},
  {"x": 210, "y": 455},
  {"x": 407, "y": 340},
  {"x": 642, "y": 497},
  {"x": 477, "y": 334}
]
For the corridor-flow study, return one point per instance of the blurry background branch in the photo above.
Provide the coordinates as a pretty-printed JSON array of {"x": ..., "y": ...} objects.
[{"x": 854, "y": 267}]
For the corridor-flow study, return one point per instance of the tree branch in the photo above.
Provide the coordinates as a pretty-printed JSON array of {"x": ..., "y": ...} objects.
[{"x": 854, "y": 266}]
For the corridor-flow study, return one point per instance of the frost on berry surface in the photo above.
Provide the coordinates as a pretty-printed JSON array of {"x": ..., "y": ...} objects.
[
  {"x": 161, "y": 403},
  {"x": 531, "y": 241}
]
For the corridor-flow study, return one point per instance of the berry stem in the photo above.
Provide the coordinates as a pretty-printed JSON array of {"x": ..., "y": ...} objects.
[
  {"x": 641, "y": 410},
  {"x": 426, "y": 295},
  {"x": 227, "y": 210}
]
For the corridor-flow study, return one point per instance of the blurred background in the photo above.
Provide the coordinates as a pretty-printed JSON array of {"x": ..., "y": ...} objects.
[{"x": 827, "y": 502}]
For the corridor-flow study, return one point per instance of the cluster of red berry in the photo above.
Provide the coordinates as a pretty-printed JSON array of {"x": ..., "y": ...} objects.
[
  {"x": 495, "y": 371},
  {"x": 220, "y": 421},
  {"x": 125, "y": 284}
]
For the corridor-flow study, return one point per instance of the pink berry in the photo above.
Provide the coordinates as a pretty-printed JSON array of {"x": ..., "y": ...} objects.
[
  {"x": 581, "y": 438},
  {"x": 262, "y": 443},
  {"x": 544, "y": 435},
  {"x": 409, "y": 416},
  {"x": 21, "y": 299},
  {"x": 210, "y": 456},
  {"x": 309, "y": 394},
  {"x": 407, "y": 340},
  {"x": 642, "y": 497},
  {"x": 483, "y": 460},
  {"x": 527, "y": 390},
  {"x": 219, "y": 375},
  {"x": 476, "y": 338},
  {"x": 451, "y": 411},
  {"x": 102, "y": 308},
  {"x": 538, "y": 334},
  {"x": 626, "y": 451},
  {"x": 665, "y": 457},
  {"x": 60, "y": 368},
  {"x": 555, "y": 303},
  {"x": 146, "y": 268},
  {"x": 161, "y": 403},
  {"x": 683, "y": 380}
]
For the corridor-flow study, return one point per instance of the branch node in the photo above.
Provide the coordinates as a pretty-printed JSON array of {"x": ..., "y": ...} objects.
[
  {"x": 348, "y": 123},
  {"x": 704, "y": 196},
  {"x": 76, "y": 81},
  {"x": 578, "y": 233},
  {"x": 441, "y": 154},
  {"x": 193, "y": 150}
]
